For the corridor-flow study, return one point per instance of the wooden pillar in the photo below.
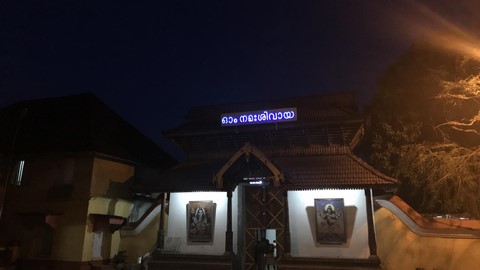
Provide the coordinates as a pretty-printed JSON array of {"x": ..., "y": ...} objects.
[
  {"x": 264, "y": 207},
  {"x": 286, "y": 224},
  {"x": 372, "y": 241},
  {"x": 161, "y": 227},
  {"x": 229, "y": 232}
]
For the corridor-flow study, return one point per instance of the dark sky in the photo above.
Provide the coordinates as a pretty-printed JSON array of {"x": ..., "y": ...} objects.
[{"x": 151, "y": 62}]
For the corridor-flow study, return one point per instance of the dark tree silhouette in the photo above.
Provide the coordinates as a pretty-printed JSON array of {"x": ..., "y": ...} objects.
[{"x": 425, "y": 129}]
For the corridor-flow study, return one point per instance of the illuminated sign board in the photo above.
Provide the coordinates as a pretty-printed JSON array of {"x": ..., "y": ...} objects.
[
  {"x": 259, "y": 117},
  {"x": 255, "y": 180}
]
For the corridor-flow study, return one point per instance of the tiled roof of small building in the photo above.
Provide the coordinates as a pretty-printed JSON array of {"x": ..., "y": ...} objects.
[
  {"x": 330, "y": 171},
  {"x": 344, "y": 171},
  {"x": 186, "y": 177}
]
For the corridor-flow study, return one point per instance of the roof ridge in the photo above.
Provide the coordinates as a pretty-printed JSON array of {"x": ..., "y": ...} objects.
[{"x": 370, "y": 168}]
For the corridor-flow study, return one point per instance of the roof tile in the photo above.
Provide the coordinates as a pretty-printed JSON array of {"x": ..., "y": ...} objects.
[{"x": 331, "y": 171}]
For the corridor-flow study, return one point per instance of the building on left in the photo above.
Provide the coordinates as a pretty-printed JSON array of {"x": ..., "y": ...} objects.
[{"x": 67, "y": 169}]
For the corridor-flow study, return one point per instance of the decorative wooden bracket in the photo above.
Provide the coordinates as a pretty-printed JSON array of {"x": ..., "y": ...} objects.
[{"x": 249, "y": 149}]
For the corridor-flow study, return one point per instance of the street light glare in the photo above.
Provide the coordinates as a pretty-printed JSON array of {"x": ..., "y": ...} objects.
[{"x": 421, "y": 22}]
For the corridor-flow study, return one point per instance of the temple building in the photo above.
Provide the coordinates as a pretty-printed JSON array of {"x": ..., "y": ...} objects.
[
  {"x": 280, "y": 171},
  {"x": 265, "y": 185}
]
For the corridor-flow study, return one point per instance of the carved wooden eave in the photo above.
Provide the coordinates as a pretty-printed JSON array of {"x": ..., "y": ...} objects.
[
  {"x": 357, "y": 137},
  {"x": 278, "y": 177}
]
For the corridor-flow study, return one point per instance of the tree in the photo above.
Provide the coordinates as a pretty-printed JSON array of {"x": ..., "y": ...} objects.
[{"x": 425, "y": 129}]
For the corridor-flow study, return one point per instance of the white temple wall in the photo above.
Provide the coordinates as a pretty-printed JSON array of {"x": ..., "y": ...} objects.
[
  {"x": 303, "y": 225},
  {"x": 177, "y": 222}
]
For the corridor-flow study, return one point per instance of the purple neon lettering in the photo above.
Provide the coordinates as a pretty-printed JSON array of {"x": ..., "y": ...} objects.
[{"x": 265, "y": 116}]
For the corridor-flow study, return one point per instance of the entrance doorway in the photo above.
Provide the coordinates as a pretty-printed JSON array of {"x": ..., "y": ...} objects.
[{"x": 263, "y": 217}]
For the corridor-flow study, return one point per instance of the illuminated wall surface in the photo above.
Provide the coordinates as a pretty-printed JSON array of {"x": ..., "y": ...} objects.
[
  {"x": 303, "y": 230},
  {"x": 302, "y": 223},
  {"x": 142, "y": 243},
  {"x": 400, "y": 248},
  {"x": 177, "y": 223},
  {"x": 105, "y": 173}
]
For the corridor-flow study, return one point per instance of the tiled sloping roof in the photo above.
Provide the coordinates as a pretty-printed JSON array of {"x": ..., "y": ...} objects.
[
  {"x": 333, "y": 171},
  {"x": 76, "y": 123},
  {"x": 323, "y": 120},
  {"x": 322, "y": 108},
  {"x": 188, "y": 176},
  {"x": 312, "y": 172}
]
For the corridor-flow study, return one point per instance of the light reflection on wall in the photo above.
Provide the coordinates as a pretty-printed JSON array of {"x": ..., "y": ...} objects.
[
  {"x": 303, "y": 230},
  {"x": 177, "y": 224}
]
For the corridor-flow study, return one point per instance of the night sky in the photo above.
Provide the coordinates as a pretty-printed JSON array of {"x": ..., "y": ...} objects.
[{"x": 150, "y": 62}]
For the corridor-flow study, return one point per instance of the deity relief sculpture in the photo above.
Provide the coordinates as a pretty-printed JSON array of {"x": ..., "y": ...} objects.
[{"x": 200, "y": 221}]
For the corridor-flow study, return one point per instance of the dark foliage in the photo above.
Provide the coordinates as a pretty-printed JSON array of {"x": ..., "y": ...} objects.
[{"x": 424, "y": 130}]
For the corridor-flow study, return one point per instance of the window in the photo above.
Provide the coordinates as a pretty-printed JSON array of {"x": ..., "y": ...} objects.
[{"x": 17, "y": 178}]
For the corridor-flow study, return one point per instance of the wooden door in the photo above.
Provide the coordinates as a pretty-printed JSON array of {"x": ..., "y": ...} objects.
[{"x": 264, "y": 209}]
